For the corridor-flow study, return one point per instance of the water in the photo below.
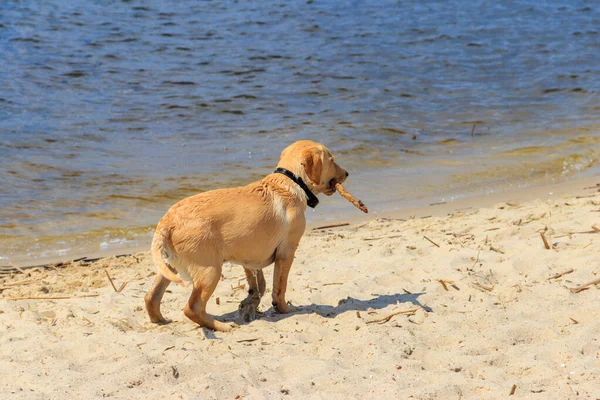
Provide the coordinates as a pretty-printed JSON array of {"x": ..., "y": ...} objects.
[{"x": 111, "y": 111}]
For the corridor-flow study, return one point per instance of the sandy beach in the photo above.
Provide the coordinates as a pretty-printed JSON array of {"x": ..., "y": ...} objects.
[{"x": 453, "y": 301}]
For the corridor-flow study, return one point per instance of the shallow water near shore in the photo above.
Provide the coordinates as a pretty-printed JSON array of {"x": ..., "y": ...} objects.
[{"x": 110, "y": 113}]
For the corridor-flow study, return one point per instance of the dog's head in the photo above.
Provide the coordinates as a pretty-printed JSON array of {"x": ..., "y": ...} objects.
[{"x": 315, "y": 164}]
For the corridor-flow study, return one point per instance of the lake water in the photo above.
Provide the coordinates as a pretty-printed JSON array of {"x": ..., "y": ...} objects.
[{"x": 111, "y": 111}]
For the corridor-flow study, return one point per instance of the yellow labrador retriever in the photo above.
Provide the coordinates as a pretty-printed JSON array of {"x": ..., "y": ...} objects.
[{"x": 253, "y": 225}]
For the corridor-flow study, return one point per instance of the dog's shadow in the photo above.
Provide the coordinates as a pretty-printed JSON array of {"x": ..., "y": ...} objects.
[{"x": 344, "y": 305}]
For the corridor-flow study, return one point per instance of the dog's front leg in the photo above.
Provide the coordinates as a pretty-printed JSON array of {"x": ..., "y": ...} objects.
[{"x": 280, "y": 277}]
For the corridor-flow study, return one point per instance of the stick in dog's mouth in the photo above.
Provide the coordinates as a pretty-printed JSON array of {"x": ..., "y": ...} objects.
[
  {"x": 332, "y": 184},
  {"x": 356, "y": 202}
]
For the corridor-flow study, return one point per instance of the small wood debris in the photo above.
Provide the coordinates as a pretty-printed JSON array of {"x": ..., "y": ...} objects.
[
  {"x": 585, "y": 286},
  {"x": 330, "y": 226},
  {"x": 546, "y": 244},
  {"x": 383, "y": 320},
  {"x": 482, "y": 287},
  {"x": 492, "y": 248},
  {"x": 445, "y": 284},
  {"x": 247, "y": 340},
  {"x": 431, "y": 241},
  {"x": 52, "y": 297},
  {"x": 556, "y": 276}
]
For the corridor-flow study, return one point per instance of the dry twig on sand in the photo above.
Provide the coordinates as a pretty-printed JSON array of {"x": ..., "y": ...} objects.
[
  {"x": 111, "y": 281},
  {"x": 330, "y": 226},
  {"x": 546, "y": 244},
  {"x": 386, "y": 319},
  {"x": 492, "y": 248},
  {"x": 585, "y": 286},
  {"x": 482, "y": 287},
  {"x": 248, "y": 340},
  {"x": 20, "y": 283},
  {"x": 357, "y": 203},
  {"x": 444, "y": 282},
  {"x": 561, "y": 274},
  {"x": 425, "y": 237},
  {"x": 52, "y": 297}
]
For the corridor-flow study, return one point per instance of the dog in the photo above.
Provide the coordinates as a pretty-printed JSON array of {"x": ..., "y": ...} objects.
[{"x": 253, "y": 226}]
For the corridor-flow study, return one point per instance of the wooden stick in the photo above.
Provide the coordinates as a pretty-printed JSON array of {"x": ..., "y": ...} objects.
[
  {"x": 330, "y": 226},
  {"x": 333, "y": 283},
  {"x": 248, "y": 340},
  {"x": 15, "y": 268},
  {"x": 585, "y": 285},
  {"x": 382, "y": 237},
  {"x": 561, "y": 274},
  {"x": 443, "y": 282},
  {"x": 111, "y": 281},
  {"x": 437, "y": 204},
  {"x": 386, "y": 319},
  {"x": 480, "y": 286},
  {"x": 357, "y": 203},
  {"x": 477, "y": 260},
  {"x": 51, "y": 297},
  {"x": 425, "y": 237},
  {"x": 85, "y": 260},
  {"x": 496, "y": 250},
  {"x": 122, "y": 286},
  {"x": 13, "y": 284},
  {"x": 546, "y": 244}
]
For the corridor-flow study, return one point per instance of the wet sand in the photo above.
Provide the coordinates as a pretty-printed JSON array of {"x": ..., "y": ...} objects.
[{"x": 450, "y": 301}]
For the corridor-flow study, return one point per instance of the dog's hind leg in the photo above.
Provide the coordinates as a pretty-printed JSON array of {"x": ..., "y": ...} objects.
[
  {"x": 205, "y": 281},
  {"x": 257, "y": 284},
  {"x": 153, "y": 298}
]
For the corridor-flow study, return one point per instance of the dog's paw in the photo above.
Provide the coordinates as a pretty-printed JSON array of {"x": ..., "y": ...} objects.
[
  {"x": 160, "y": 321},
  {"x": 247, "y": 315},
  {"x": 225, "y": 326},
  {"x": 247, "y": 311},
  {"x": 281, "y": 308}
]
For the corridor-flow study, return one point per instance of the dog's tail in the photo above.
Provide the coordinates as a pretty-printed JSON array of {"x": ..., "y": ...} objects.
[{"x": 161, "y": 255}]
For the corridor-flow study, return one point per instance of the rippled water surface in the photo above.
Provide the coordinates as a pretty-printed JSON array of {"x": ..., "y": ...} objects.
[{"x": 110, "y": 111}]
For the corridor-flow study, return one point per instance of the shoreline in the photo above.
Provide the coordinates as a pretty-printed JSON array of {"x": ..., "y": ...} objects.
[
  {"x": 461, "y": 300},
  {"x": 581, "y": 186}
]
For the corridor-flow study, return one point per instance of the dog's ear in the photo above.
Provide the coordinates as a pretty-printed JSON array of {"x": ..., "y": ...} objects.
[{"x": 312, "y": 161}]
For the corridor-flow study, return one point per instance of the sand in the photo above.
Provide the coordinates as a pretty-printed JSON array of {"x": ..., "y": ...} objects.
[{"x": 484, "y": 316}]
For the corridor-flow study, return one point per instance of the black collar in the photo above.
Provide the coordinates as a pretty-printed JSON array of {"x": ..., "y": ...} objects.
[{"x": 311, "y": 200}]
